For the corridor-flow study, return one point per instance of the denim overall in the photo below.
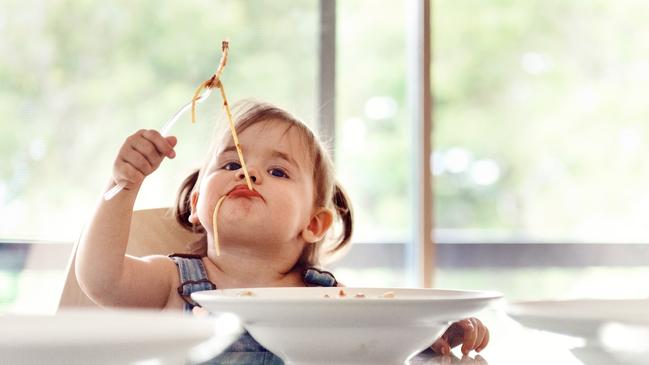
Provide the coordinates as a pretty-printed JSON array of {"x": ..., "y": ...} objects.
[{"x": 245, "y": 350}]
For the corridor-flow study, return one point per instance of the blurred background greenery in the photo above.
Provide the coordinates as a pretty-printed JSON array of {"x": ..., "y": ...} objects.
[
  {"x": 541, "y": 119},
  {"x": 539, "y": 115}
]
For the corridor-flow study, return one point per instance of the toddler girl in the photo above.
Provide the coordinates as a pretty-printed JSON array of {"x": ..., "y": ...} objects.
[{"x": 274, "y": 235}]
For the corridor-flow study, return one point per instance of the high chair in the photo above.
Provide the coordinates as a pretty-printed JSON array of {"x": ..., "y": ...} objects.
[{"x": 153, "y": 231}]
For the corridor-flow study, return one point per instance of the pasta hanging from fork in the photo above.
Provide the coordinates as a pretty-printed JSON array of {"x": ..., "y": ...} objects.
[{"x": 215, "y": 81}]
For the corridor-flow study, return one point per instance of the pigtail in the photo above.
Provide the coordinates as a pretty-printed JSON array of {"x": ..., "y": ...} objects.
[
  {"x": 183, "y": 203},
  {"x": 343, "y": 207}
]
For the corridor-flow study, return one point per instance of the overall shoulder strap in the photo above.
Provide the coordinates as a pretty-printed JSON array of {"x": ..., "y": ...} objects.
[
  {"x": 193, "y": 277},
  {"x": 317, "y": 277}
]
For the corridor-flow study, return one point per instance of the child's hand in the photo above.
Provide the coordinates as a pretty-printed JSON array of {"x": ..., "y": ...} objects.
[
  {"x": 140, "y": 155},
  {"x": 470, "y": 332}
]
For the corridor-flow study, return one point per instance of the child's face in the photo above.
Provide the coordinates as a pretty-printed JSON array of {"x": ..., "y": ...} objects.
[{"x": 283, "y": 178}]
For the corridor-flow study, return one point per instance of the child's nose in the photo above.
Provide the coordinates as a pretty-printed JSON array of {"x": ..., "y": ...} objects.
[{"x": 242, "y": 176}]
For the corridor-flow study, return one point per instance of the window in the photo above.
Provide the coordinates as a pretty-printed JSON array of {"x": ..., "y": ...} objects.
[
  {"x": 540, "y": 138},
  {"x": 373, "y": 139}
]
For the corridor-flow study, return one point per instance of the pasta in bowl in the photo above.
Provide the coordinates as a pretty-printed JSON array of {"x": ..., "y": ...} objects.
[{"x": 345, "y": 325}]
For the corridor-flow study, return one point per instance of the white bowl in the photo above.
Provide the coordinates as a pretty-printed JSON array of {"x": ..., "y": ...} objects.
[
  {"x": 93, "y": 336},
  {"x": 579, "y": 317},
  {"x": 302, "y": 326}
]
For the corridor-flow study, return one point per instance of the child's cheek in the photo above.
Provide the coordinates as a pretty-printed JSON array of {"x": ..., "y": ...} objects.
[
  {"x": 293, "y": 208},
  {"x": 203, "y": 217},
  {"x": 206, "y": 203}
]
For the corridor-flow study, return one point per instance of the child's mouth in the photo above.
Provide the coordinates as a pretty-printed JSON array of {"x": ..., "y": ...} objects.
[{"x": 243, "y": 192}]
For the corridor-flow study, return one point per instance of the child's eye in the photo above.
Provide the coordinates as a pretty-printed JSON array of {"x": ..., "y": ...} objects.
[
  {"x": 232, "y": 166},
  {"x": 277, "y": 172}
]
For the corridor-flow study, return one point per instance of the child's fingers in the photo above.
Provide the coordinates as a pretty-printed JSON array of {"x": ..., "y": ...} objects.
[
  {"x": 468, "y": 340},
  {"x": 147, "y": 147},
  {"x": 172, "y": 140},
  {"x": 140, "y": 161},
  {"x": 485, "y": 340},
  {"x": 164, "y": 146},
  {"x": 475, "y": 336},
  {"x": 480, "y": 333},
  {"x": 148, "y": 151},
  {"x": 140, "y": 155}
]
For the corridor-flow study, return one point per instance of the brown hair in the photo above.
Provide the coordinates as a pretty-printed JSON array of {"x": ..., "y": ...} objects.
[{"x": 328, "y": 192}]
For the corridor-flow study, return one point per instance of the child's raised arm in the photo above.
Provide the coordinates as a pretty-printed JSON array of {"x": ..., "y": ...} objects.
[{"x": 105, "y": 273}]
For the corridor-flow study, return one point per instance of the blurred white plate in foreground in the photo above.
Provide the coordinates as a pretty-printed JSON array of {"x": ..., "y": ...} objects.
[
  {"x": 365, "y": 326},
  {"x": 580, "y": 317},
  {"x": 112, "y": 337}
]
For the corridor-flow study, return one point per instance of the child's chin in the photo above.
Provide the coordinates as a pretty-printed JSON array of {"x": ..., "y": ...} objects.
[{"x": 242, "y": 208}]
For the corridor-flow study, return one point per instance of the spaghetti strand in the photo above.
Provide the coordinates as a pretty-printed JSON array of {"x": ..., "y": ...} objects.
[{"x": 217, "y": 247}]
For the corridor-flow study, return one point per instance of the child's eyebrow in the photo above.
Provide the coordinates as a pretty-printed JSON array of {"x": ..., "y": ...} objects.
[
  {"x": 286, "y": 157},
  {"x": 228, "y": 149}
]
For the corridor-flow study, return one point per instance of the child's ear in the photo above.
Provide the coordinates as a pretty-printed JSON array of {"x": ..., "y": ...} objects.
[
  {"x": 193, "y": 216},
  {"x": 318, "y": 225}
]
